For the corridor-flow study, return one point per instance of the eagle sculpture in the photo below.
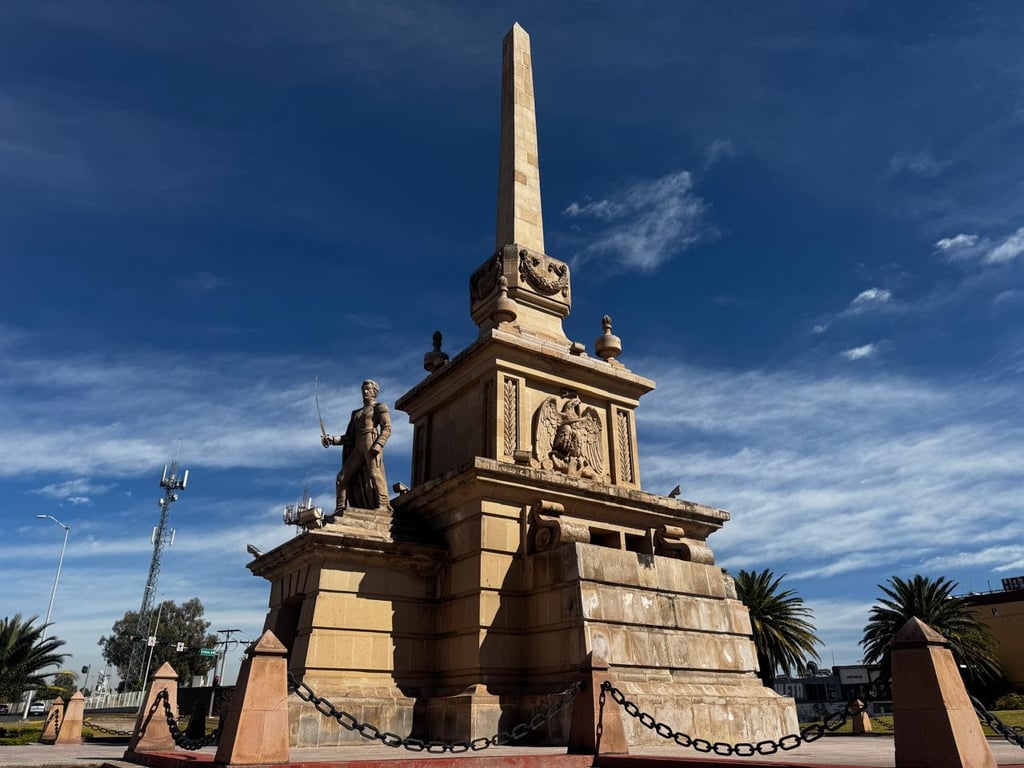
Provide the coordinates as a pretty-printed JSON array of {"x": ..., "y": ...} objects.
[{"x": 568, "y": 439}]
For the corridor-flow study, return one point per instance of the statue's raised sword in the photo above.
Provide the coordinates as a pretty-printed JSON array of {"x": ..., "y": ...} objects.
[{"x": 316, "y": 397}]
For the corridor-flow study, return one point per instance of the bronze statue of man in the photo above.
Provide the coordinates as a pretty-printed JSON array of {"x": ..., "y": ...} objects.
[{"x": 361, "y": 481}]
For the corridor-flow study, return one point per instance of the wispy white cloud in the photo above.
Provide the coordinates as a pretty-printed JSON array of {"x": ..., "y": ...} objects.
[
  {"x": 1010, "y": 296},
  {"x": 199, "y": 283},
  {"x": 922, "y": 164},
  {"x": 644, "y": 226},
  {"x": 972, "y": 247},
  {"x": 840, "y": 459},
  {"x": 870, "y": 300},
  {"x": 76, "y": 491},
  {"x": 957, "y": 242},
  {"x": 126, "y": 414},
  {"x": 869, "y": 297},
  {"x": 1008, "y": 250},
  {"x": 861, "y": 352},
  {"x": 718, "y": 150}
]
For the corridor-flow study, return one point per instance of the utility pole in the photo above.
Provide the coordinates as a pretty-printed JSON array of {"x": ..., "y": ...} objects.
[
  {"x": 171, "y": 482},
  {"x": 223, "y": 653},
  {"x": 227, "y": 641}
]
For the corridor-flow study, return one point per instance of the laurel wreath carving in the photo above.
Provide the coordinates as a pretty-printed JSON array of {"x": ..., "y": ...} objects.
[
  {"x": 549, "y": 287},
  {"x": 483, "y": 282}
]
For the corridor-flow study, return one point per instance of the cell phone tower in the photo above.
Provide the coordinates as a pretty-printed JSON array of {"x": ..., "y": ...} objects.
[{"x": 172, "y": 481}]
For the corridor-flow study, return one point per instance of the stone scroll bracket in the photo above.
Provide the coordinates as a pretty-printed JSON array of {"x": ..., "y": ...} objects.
[
  {"x": 671, "y": 541},
  {"x": 548, "y": 530}
]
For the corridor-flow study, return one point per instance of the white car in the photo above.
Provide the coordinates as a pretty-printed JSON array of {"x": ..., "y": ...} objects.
[{"x": 37, "y": 708}]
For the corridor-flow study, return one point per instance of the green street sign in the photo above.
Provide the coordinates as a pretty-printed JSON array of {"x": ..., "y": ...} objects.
[{"x": 207, "y": 651}]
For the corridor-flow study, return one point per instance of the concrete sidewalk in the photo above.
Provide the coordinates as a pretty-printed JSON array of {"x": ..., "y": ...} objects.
[{"x": 874, "y": 751}]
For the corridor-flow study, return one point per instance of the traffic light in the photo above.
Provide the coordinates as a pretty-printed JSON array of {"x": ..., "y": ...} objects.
[{"x": 179, "y": 647}]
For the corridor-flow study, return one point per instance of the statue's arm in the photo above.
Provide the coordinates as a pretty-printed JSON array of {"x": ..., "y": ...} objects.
[
  {"x": 384, "y": 422},
  {"x": 329, "y": 440}
]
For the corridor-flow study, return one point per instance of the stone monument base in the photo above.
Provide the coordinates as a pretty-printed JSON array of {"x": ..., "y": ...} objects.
[{"x": 381, "y": 705}]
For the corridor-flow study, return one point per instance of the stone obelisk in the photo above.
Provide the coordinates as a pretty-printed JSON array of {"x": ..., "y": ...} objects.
[
  {"x": 519, "y": 213},
  {"x": 526, "y": 542}
]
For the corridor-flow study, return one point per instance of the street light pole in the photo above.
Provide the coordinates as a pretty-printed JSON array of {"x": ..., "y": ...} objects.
[{"x": 53, "y": 594}]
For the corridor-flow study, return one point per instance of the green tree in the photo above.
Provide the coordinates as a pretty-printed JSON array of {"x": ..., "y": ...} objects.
[
  {"x": 932, "y": 601},
  {"x": 178, "y": 624},
  {"x": 66, "y": 682},
  {"x": 25, "y": 655},
  {"x": 784, "y": 637}
]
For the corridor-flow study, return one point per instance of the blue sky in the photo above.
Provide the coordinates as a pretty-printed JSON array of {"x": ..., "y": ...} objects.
[{"x": 806, "y": 220}]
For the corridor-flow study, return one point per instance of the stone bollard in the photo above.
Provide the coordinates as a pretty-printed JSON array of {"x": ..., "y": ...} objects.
[
  {"x": 596, "y": 727},
  {"x": 255, "y": 731},
  {"x": 936, "y": 725},
  {"x": 52, "y": 724},
  {"x": 151, "y": 732},
  {"x": 71, "y": 725},
  {"x": 861, "y": 721}
]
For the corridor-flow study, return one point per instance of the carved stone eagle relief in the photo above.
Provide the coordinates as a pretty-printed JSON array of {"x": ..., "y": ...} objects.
[{"x": 567, "y": 438}]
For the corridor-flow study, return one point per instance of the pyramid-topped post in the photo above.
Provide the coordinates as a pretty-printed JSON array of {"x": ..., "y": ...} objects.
[{"x": 519, "y": 212}]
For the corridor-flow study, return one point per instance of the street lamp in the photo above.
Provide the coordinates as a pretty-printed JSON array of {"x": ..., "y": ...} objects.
[{"x": 53, "y": 594}]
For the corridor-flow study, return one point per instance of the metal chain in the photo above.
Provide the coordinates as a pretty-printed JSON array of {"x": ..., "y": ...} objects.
[
  {"x": 349, "y": 722},
  {"x": 1010, "y": 733},
  {"x": 812, "y": 732},
  {"x": 102, "y": 729},
  {"x": 183, "y": 741},
  {"x": 888, "y": 726},
  {"x": 55, "y": 716}
]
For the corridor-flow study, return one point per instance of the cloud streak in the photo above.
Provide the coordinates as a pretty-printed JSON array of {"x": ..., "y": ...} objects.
[
  {"x": 840, "y": 460},
  {"x": 644, "y": 226}
]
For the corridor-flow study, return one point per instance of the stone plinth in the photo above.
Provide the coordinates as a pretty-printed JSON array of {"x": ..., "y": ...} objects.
[
  {"x": 936, "y": 725},
  {"x": 255, "y": 731},
  {"x": 71, "y": 724},
  {"x": 53, "y": 722},
  {"x": 596, "y": 721},
  {"x": 151, "y": 733},
  {"x": 357, "y": 614},
  {"x": 486, "y": 403}
]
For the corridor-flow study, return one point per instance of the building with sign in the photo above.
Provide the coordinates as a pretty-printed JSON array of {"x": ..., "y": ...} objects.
[{"x": 819, "y": 694}]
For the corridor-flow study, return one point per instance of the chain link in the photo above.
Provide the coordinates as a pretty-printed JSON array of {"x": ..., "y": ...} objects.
[
  {"x": 55, "y": 716},
  {"x": 350, "y": 722},
  {"x": 182, "y": 740},
  {"x": 1010, "y": 733},
  {"x": 810, "y": 733},
  {"x": 112, "y": 731}
]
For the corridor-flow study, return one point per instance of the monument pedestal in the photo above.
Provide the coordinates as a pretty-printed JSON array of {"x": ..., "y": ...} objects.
[
  {"x": 525, "y": 543},
  {"x": 356, "y": 615}
]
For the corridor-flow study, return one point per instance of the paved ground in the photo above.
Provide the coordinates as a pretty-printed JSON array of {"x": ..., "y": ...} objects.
[{"x": 834, "y": 750}]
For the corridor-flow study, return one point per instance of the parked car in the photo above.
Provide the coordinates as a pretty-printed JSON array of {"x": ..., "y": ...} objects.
[
  {"x": 4, "y": 709},
  {"x": 37, "y": 708}
]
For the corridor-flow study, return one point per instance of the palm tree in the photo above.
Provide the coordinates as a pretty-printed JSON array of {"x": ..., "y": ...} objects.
[
  {"x": 932, "y": 601},
  {"x": 783, "y": 634},
  {"x": 24, "y": 655}
]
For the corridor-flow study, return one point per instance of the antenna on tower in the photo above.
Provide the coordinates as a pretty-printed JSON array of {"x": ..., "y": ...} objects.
[{"x": 172, "y": 480}]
